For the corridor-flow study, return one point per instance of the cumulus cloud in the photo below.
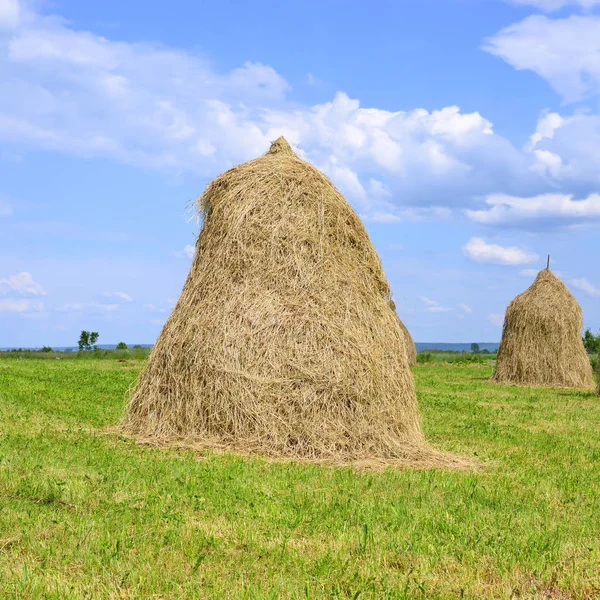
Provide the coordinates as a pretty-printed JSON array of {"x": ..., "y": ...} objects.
[
  {"x": 157, "y": 107},
  {"x": 121, "y": 295},
  {"x": 565, "y": 151},
  {"x": 147, "y": 105},
  {"x": 465, "y": 308},
  {"x": 565, "y": 52},
  {"x": 20, "y": 305},
  {"x": 549, "y": 210},
  {"x": 585, "y": 286},
  {"x": 480, "y": 251},
  {"x": 22, "y": 283}
]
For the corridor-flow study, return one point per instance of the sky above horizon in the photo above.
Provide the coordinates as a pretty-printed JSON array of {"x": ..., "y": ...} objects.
[{"x": 465, "y": 133}]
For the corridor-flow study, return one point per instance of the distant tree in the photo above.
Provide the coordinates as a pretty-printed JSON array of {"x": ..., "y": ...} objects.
[
  {"x": 94, "y": 335},
  {"x": 87, "y": 340},
  {"x": 121, "y": 346},
  {"x": 137, "y": 346},
  {"x": 591, "y": 341},
  {"x": 84, "y": 340},
  {"x": 475, "y": 348},
  {"x": 46, "y": 349}
]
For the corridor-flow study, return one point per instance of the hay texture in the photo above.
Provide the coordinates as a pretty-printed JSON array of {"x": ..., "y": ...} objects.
[
  {"x": 283, "y": 342},
  {"x": 541, "y": 339},
  {"x": 409, "y": 344}
]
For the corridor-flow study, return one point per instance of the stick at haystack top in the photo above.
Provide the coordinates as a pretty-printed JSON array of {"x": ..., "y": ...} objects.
[
  {"x": 541, "y": 338},
  {"x": 283, "y": 341}
]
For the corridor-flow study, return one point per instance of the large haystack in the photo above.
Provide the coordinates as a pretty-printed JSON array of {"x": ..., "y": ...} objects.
[
  {"x": 409, "y": 343},
  {"x": 282, "y": 342},
  {"x": 541, "y": 340}
]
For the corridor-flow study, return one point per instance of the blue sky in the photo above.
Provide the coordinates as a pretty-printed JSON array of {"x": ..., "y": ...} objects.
[{"x": 466, "y": 133}]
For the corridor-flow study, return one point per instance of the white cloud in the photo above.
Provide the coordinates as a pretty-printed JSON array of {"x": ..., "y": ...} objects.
[
  {"x": 546, "y": 209},
  {"x": 466, "y": 309},
  {"x": 187, "y": 252},
  {"x": 92, "y": 306},
  {"x": 121, "y": 295},
  {"x": 433, "y": 306},
  {"x": 585, "y": 286},
  {"x": 546, "y": 127},
  {"x": 565, "y": 151},
  {"x": 480, "y": 251},
  {"x": 74, "y": 92},
  {"x": 428, "y": 301},
  {"x": 22, "y": 283},
  {"x": 20, "y": 305},
  {"x": 552, "y": 5},
  {"x": 565, "y": 52},
  {"x": 497, "y": 319}
]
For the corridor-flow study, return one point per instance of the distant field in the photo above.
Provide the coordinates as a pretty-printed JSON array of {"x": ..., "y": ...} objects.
[{"x": 85, "y": 514}]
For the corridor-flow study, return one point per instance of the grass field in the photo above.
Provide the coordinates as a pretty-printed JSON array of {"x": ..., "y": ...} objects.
[{"x": 87, "y": 514}]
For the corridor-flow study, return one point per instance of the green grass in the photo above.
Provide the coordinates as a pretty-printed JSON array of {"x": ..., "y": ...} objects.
[{"x": 86, "y": 514}]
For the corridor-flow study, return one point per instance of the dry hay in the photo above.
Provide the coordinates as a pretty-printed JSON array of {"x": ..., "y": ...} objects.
[
  {"x": 541, "y": 339},
  {"x": 283, "y": 342},
  {"x": 409, "y": 343}
]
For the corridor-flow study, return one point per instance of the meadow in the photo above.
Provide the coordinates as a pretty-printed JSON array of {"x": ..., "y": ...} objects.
[{"x": 87, "y": 513}]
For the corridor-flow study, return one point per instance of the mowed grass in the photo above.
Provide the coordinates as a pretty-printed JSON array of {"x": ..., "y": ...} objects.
[{"x": 89, "y": 514}]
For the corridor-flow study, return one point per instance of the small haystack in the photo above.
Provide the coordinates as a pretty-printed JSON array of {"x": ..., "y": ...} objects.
[
  {"x": 283, "y": 342},
  {"x": 411, "y": 349},
  {"x": 541, "y": 339}
]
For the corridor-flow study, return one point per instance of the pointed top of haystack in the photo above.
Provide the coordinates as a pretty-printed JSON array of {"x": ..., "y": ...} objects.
[
  {"x": 547, "y": 287},
  {"x": 546, "y": 275},
  {"x": 281, "y": 146}
]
